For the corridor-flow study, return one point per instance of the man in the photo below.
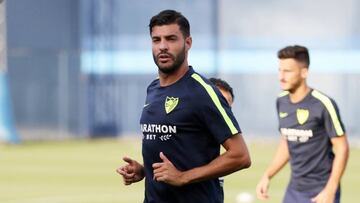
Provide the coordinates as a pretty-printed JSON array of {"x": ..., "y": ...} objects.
[
  {"x": 184, "y": 121},
  {"x": 225, "y": 89},
  {"x": 227, "y": 92},
  {"x": 311, "y": 129}
]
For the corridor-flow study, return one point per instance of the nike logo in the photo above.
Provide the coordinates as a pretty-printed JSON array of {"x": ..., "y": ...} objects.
[
  {"x": 283, "y": 114},
  {"x": 145, "y": 105}
]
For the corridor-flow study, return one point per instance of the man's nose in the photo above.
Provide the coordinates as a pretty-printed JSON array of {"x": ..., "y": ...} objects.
[{"x": 163, "y": 45}]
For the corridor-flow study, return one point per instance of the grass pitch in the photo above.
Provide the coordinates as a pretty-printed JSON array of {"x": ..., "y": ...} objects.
[{"x": 83, "y": 171}]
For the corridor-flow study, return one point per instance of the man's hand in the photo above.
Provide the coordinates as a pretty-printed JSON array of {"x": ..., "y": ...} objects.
[
  {"x": 341, "y": 149},
  {"x": 324, "y": 197},
  {"x": 280, "y": 159},
  {"x": 132, "y": 172},
  {"x": 166, "y": 172},
  {"x": 262, "y": 188}
]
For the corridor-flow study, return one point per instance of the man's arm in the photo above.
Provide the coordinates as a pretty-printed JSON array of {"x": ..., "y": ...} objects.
[
  {"x": 235, "y": 158},
  {"x": 279, "y": 161},
  {"x": 341, "y": 148}
]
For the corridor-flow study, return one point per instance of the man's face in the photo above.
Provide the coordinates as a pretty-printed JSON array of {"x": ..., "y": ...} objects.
[
  {"x": 227, "y": 96},
  {"x": 169, "y": 48},
  {"x": 291, "y": 74}
]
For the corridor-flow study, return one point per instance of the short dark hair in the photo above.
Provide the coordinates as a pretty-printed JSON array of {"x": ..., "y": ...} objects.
[
  {"x": 297, "y": 52},
  {"x": 222, "y": 84},
  {"x": 167, "y": 17}
]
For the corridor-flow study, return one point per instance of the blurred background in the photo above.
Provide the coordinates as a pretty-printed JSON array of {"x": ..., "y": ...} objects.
[{"x": 80, "y": 68}]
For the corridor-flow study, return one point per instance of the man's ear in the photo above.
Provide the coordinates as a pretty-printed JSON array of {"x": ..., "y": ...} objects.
[
  {"x": 304, "y": 72},
  {"x": 188, "y": 42}
]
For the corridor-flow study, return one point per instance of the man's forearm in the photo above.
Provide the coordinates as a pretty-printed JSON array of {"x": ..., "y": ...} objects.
[
  {"x": 338, "y": 167},
  {"x": 223, "y": 165},
  {"x": 279, "y": 161},
  {"x": 235, "y": 158}
]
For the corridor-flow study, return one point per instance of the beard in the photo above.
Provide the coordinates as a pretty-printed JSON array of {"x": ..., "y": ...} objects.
[
  {"x": 178, "y": 60},
  {"x": 294, "y": 86}
]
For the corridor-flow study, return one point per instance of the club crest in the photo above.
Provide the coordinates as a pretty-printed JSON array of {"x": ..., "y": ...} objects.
[
  {"x": 170, "y": 104},
  {"x": 302, "y": 115}
]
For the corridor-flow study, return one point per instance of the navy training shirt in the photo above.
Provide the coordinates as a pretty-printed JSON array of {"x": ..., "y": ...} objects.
[
  {"x": 308, "y": 127},
  {"x": 187, "y": 121}
]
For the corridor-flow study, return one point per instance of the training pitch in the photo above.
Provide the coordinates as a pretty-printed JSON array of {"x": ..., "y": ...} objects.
[{"x": 83, "y": 171}]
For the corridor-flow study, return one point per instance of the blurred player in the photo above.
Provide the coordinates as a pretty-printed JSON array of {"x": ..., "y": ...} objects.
[
  {"x": 311, "y": 129},
  {"x": 225, "y": 89},
  {"x": 184, "y": 121}
]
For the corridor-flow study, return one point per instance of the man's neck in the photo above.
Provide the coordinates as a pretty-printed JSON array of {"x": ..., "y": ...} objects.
[
  {"x": 299, "y": 94},
  {"x": 169, "y": 79}
]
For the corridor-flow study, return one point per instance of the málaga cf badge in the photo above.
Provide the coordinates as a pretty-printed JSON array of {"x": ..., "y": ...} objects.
[
  {"x": 302, "y": 115},
  {"x": 171, "y": 103}
]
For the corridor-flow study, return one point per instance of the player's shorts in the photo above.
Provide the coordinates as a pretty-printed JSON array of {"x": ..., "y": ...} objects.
[
  {"x": 221, "y": 181},
  {"x": 294, "y": 196}
]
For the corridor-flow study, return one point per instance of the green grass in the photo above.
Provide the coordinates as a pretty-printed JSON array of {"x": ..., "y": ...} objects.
[{"x": 84, "y": 172}]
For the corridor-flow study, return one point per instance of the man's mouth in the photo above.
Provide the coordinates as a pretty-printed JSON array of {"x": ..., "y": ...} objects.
[{"x": 163, "y": 58}]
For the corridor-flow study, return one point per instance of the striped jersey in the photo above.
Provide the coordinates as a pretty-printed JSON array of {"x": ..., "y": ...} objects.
[
  {"x": 308, "y": 126},
  {"x": 187, "y": 121}
]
